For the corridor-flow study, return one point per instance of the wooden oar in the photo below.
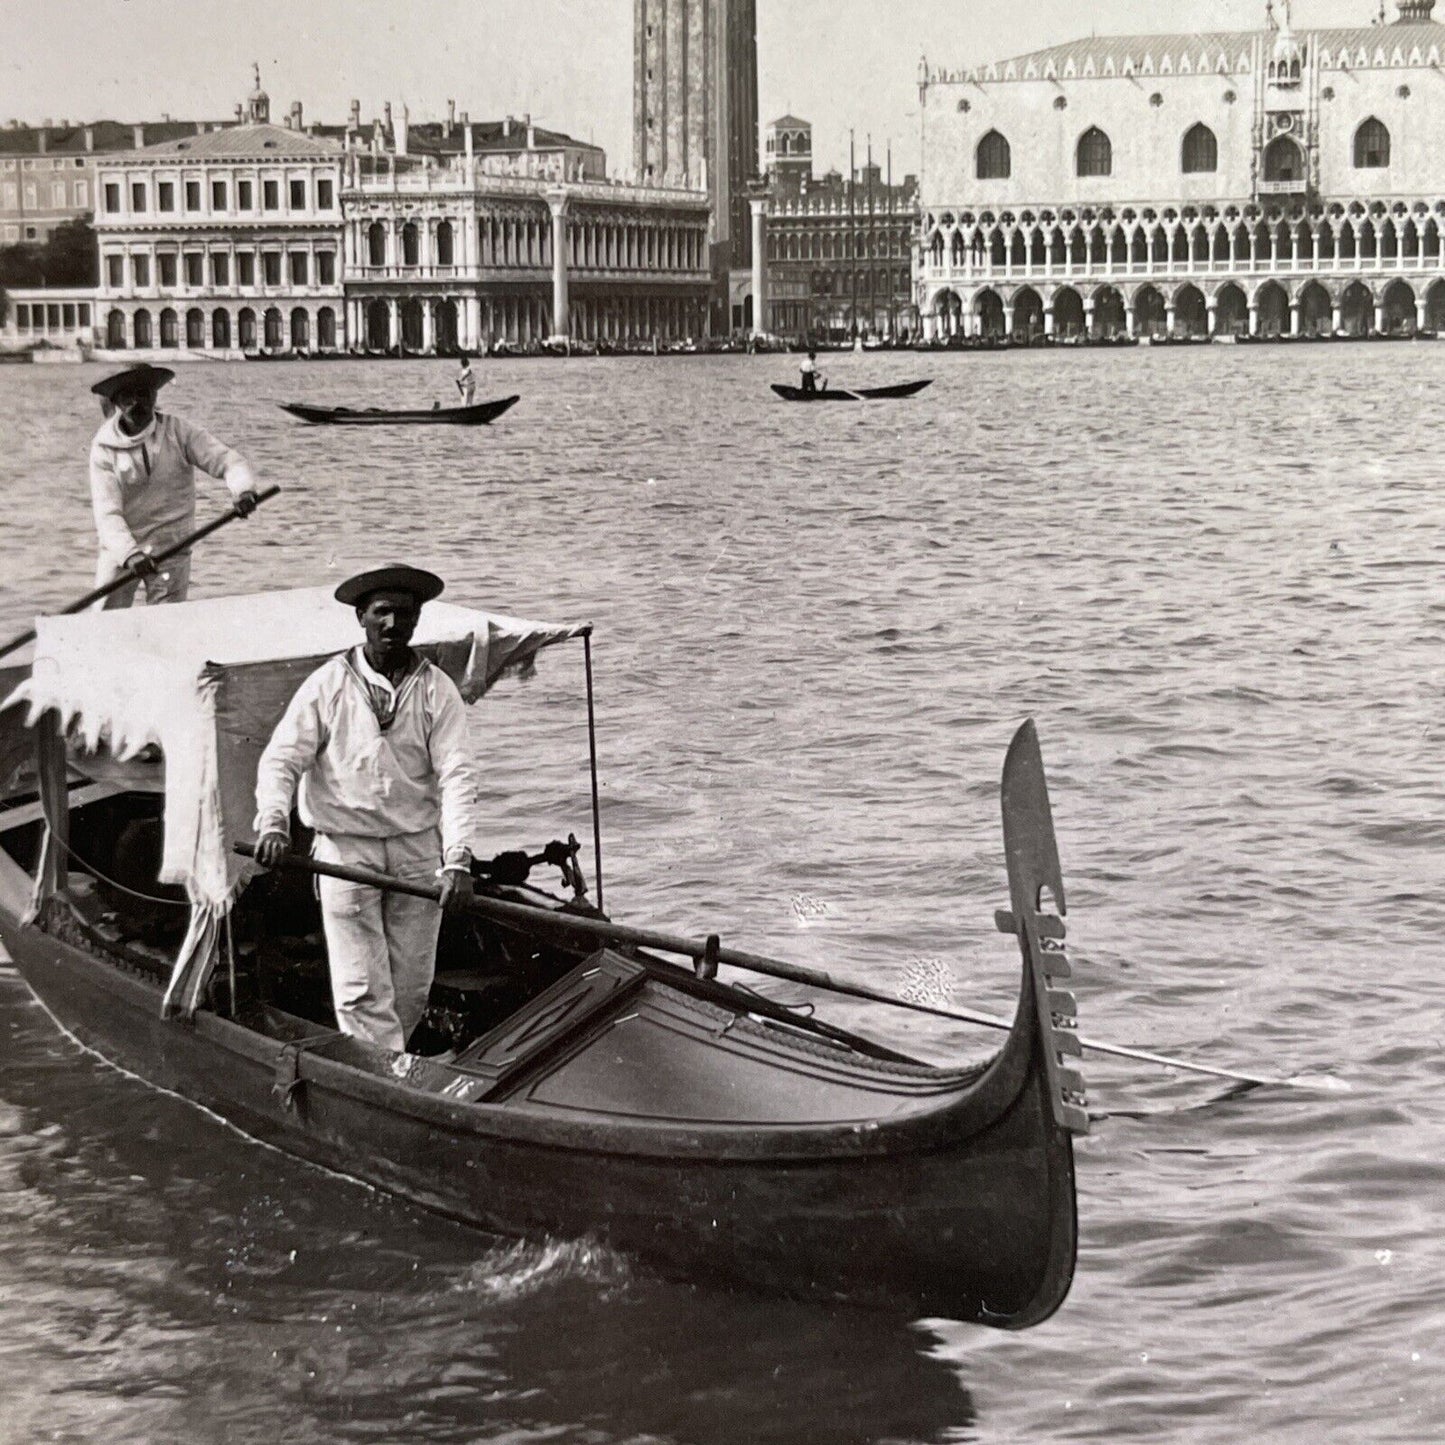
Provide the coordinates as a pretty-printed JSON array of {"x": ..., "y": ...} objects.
[
  {"x": 710, "y": 953},
  {"x": 125, "y": 577}
]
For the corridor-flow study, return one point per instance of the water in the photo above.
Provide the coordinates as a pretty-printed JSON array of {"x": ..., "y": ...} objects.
[{"x": 1212, "y": 576}]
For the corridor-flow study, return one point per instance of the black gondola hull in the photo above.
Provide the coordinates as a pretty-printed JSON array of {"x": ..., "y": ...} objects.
[
  {"x": 959, "y": 1203},
  {"x": 862, "y": 393},
  {"x": 479, "y": 415}
]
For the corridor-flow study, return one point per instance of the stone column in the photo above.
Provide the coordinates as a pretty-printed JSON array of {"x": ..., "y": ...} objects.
[
  {"x": 1253, "y": 319},
  {"x": 561, "y": 320},
  {"x": 428, "y": 330},
  {"x": 1169, "y": 318},
  {"x": 1128, "y": 318},
  {"x": 1294, "y": 318},
  {"x": 1211, "y": 316},
  {"x": 1337, "y": 319},
  {"x": 759, "y": 206},
  {"x": 1048, "y": 320},
  {"x": 472, "y": 321},
  {"x": 393, "y": 321},
  {"x": 1088, "y": 316},
  {"x": 1008, "y": 323},
  {"x": 1379, "y": 316},
  {"x": 1422, "y": 315}
]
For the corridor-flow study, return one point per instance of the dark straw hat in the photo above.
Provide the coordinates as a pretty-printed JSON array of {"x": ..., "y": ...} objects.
[
  {"x": 396, "y": 578},
  {"x": 133, "y": 377}
]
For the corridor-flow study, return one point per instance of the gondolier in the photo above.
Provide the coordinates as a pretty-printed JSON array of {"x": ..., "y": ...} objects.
[
  {"x": 143, "y": 486},
  {"x": 466, "y": 382},
  {"x": 376, "y": 742}
]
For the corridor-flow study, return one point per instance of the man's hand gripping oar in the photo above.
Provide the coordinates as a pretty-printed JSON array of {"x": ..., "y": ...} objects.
[{"x": 135, "y": 569}]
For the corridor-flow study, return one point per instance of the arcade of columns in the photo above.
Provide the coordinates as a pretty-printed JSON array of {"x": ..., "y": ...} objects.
[
  {"x": 438, "y": 272},
  {"x": 1354, "y": 267}
]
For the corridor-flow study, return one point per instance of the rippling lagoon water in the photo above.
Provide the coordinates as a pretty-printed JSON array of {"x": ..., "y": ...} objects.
[{"x": 1214, "y": 577}]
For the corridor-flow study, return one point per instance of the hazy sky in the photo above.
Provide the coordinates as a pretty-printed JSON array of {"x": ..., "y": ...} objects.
[{"x": 838, "y": 63}]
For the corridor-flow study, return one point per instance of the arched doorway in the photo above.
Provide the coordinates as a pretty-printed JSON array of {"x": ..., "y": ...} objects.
[
  {"x": 988, "y": 315},
  {"x": 1272, "y": 308},
  {"x": 947, "y": 314},
  {"x": 195, "y": 327},
  {"x": 1149, "y": 312},
  {"x": 1399, "y": 308},
  {"x": 246, "y": 329},
  {"x": 1231, "y": 312},
  {"x": 300, "y": 329},
  {"x": 1315, "y": 317},
  {"x": 142, "y": 327},
  {"x": 1191, "y": 315},
  {"x": 272, "y": 326},
  {"x": 446, "y": 326},
  {"x": 326, "y": 329},
  {"x": 115, "y": 330},
  {"x": 1109, "y": 318},
  {"x": 170, "y": 328},
  {"x": 1435, "y": 307},
  {"x": 221, "y": 329},
  {"x": 378, "y": 326},
  {"x": 1357, "y": 310},
  {"x": 1068, "y": 313},
  {"x": 411, "y": 324},
  {"x": 1028, "y": 316},
  {"x": 1283, "y": 160}
]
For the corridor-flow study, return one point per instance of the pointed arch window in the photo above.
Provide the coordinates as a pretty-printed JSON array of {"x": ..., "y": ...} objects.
[
  {"x": 1095, "y": 154},
  {"x": 1372, "y": 145},
  {"x": 1201, "y": 150},
  {"x": 995, "y": 158}
]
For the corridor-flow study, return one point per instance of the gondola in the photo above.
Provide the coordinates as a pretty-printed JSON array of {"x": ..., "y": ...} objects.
[
  {"x": 582, "y": 1078},
  {"x": 478, "y": 415},
  {"x": 859, "y": 393}
]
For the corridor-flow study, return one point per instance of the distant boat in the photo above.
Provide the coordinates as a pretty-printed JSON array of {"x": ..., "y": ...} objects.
[
  {"x": 857, "y": 393},
  {"x": 478, "y": 415}
]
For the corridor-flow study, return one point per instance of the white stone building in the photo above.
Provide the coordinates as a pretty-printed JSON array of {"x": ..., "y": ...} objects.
[{"x": 1274, "y": 181}]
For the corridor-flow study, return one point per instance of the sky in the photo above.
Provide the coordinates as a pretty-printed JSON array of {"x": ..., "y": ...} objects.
[{"x": 839, "y": 63}]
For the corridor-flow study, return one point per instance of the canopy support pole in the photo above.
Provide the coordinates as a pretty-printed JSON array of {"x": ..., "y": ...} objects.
[
  {"x": 592, "y": 755},
  {"x": 51, "y": 778}
]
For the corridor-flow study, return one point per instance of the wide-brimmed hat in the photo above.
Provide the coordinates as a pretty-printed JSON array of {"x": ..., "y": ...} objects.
[
  {"x": 396, "y": 578},
  {"x": 153, "y": 377}
]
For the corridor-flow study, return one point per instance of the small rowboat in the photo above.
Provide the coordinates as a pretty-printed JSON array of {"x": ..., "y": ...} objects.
[
  {"x": 478, "y": 415},
  {"x": 578, "y": 1083},
  {"x": 860, "y": 393}
]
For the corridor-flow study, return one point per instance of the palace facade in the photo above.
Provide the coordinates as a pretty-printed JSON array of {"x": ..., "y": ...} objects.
[
  {"x": 279, "y": 238},
  {"x": 1277, "y": 181},
  {"x": 838, "y": 250}
]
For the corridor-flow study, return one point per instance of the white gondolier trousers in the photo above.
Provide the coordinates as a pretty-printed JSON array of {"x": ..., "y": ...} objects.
[{"x": 382, "y": 946}]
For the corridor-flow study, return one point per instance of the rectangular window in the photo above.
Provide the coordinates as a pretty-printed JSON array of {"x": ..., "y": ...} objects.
[
  {"x": 165, "y": 197},
  {"x": 52, "y": 316},
  {"x": 22, "y": 316},
  {"x": 115, "y": 272},
  {"x": 67, "y": 315},
  {"x": 193, "y": 195},
  {"x": 298, "y": 268},
  {"x": 326, "y": 268},
  {"x": 137, "y": 196},
  {"x": 85, "y": 313},
  {"x": 246, "y": 268},
  {"x": 271, "y": 267},
  {"x": 9, "y": 195},
  {"x": 112, "y": 197},
  {"x": 140, "y": 267},
  {"x": 221, "y": 270},
  {"x": 245, "y": 196},
  {"x": 57, "y": 194},
  {"x": 195, "y": 276},
  {"x": 324, "y": 196},
  {"x": 218, "y": 195},
  {"x": 82, "y": 193},
  {"x": 298, "y": 195},
  {"x": 271, "y": 195},
  {"x": 32, "y": 200},
  {"x": 166, "y": 261}
]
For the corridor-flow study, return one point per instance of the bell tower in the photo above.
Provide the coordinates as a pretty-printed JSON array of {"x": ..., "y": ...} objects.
[
  {"x": 258, "y": 103},
  {"x": 1286, "y": 141}
]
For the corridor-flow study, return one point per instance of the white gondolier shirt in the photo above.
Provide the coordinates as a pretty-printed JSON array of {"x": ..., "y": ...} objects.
[
  {"x": 357, "y": 778},
  {"x": 143, "y": 488}
]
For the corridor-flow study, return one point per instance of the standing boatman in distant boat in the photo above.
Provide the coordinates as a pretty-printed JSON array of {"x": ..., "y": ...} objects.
[
  {"x": 376, "y": 742},
  {"x": 143, "y": 485},
  {"x": 808, "y": 372},
  {"x": 466, "y": 382}
]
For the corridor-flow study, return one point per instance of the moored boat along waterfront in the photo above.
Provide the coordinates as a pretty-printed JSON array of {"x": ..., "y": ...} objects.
[{"x": 1226, "y": 617}]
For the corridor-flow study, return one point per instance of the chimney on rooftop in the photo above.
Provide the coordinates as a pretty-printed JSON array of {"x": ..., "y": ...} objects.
[
  {"x": 401, "y": 131},
  {"x": 41, "y": 139},
  {"x": 240, "y": 111},
  {"x": 355, "y": 121},
  {"x": 386, "y": 115},
  {"x": 295, "y": 115},
  {"x": 165, "y": 118},
  {"x": 507, "y": 126},
  {"x": 138, "y": 136},
  {"x": 451, "y": 116},
  {"x": 467, "y": 136},
  {"x": 90, "y": 137},
  {"x": 200, "y": 127}
]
